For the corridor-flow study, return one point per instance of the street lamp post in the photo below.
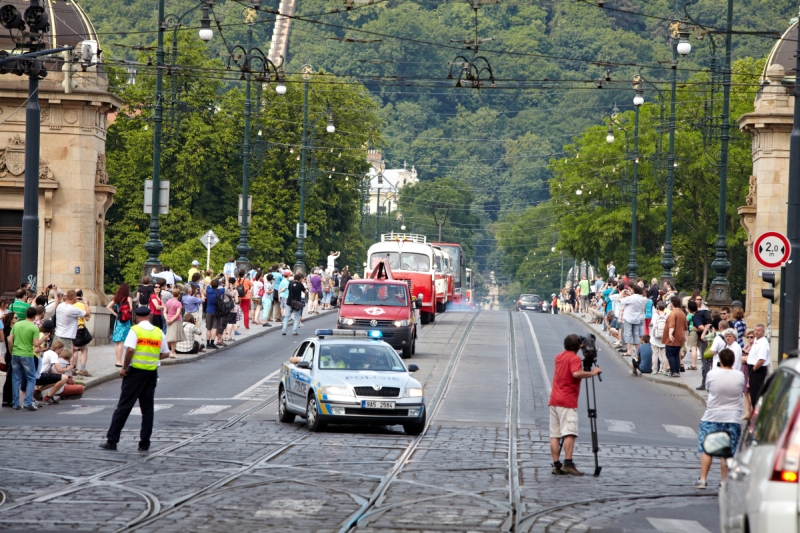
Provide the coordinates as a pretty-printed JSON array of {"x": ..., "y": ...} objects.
[
  {"x": 682, "y": 47},
  {"x": 250, "y": 59},
  {"x": 638, "y": 100},
  {"x": 154, "y": 246},
  {"x": 307, "y": 71}
]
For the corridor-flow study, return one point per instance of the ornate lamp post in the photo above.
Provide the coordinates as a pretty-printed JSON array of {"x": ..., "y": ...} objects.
[
  {"x": 637, "y": 82},
  {"x": 154, "y": 245},
  {"x": 249, "y": 60},
  {"x": 379, "y": 168},
  {"x": 307, "y": 71}
]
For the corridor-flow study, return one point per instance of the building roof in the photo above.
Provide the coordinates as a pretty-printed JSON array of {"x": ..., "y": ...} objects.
[
  {"x": 783, "y": 53},
  {"x": 393, "y": 178},
  {"x": 69, "y": 24}
]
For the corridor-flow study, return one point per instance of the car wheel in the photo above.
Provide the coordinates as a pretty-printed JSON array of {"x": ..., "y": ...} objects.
[
  {"x": 283, "y": 413},
  {"x": 425, "y": 317},
  {"x": 312, "y": 418},
  {"x": 408, "y": 350},
  {"x": 432, "y": 317},
  {"x": 417, "y": 426}
]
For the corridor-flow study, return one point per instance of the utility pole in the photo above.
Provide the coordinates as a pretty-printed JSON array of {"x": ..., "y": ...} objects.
[{"x": 790, "y": 304}]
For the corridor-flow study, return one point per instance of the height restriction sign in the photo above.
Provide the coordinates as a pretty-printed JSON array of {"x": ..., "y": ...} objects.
[{"x": 772, "y": 249}]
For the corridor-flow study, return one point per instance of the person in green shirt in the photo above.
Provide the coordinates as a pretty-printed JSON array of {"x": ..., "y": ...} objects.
[
  {"x": 21, "y": 304},
  {"x": 583, "y": 285},
  {"x": 25, "y": 340}
]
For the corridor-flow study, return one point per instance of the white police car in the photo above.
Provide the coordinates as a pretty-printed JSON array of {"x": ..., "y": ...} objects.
[{"x": 350, "y": 377}]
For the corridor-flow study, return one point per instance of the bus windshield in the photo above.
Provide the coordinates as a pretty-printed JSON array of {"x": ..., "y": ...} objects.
[
  {"x": 403, "y": 261},
  {"x": 376, "y": 294}
]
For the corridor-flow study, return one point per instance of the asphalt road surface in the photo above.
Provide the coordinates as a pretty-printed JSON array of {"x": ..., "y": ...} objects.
[{"x": 221, "y": 461}]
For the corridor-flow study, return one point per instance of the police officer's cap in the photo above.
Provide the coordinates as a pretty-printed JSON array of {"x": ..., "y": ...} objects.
[{"x": 142, "y": 310}]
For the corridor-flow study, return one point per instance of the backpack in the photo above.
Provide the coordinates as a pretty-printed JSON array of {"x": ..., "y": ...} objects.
[
  {"x": 124, "y": 313},
  {"x": 275, "y": 293},
  {"x": 658, "y": 327},
  {"x": 224, "y": 305},
  {"x": 240, "y": 290}
]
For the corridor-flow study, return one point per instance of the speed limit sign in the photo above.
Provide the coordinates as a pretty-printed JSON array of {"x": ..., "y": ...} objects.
[{"x": 772, "y": 249}]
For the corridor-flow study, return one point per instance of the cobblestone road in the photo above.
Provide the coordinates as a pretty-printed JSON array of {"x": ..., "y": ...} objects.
[{"x": 483, "y": 464}]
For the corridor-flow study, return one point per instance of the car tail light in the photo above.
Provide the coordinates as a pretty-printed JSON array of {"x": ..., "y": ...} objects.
[{"x": 787, "y": 452}]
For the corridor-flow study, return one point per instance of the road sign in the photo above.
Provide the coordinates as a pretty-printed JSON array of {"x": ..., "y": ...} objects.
[
  {"x": 209, "y": 240},
  {"x": 772, "y": 249}
]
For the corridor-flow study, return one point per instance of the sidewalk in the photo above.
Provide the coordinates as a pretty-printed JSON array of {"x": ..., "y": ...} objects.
[
  {"x": 689, "y": 380},
  {"x": 102, "y": 360}
]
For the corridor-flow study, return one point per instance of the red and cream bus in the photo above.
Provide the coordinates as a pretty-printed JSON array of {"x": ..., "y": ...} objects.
[
  {"x": 418, "y": 263},
  {"x": 457, "y": 271}
]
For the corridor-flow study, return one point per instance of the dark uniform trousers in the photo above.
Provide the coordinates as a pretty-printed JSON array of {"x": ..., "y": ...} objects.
[{"x": 137, "y": 385}]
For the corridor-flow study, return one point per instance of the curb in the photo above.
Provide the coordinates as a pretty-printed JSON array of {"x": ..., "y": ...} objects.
[
  {"x": 168, "y": 362},
  {"x": 646, "y": 377}
]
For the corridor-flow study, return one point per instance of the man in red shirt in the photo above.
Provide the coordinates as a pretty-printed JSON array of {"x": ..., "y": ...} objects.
[{"x": 564, "y": 403}]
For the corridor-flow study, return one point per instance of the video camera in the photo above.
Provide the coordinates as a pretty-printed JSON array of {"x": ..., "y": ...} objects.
[{"x": 589, "y": 351}]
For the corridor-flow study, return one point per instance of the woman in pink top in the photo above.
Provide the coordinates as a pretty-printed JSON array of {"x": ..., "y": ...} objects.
[{"x": 172, "y": 314}]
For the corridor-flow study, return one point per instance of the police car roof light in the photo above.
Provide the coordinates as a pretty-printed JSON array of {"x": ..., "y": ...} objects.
[
  {"x": 323, "y": 332},
  {"x": 376, "y": 334},
  {"x": 340, "y": 333}
]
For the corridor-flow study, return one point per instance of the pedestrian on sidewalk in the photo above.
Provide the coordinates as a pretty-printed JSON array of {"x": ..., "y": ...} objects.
[
  {"x": 758, "y": 362},
  {"x": 244, "y": 288},
  {"x": 739, "y": 325},
  {"x": 8, "y": 322},
  {"x": 583, "y": 287},
  {"x": 717, "y": 343},
  {"x": 256, "y": 295},
  {"x": 283, "y": 293},
  {"x": 658, "y": 327},
  {"x": 229, "y": 268},
  {"x": 564, "y": 404},
  {"x": 723, "y": 411},
  {"x": 172, "y": 314},
  {"x": 80, "y": 344},
  {"x": 750, "y": 336},
  {"x": 634, "y": 304},
  {"x": 121, "y": 306},
  {"x": 145, "y": 347},
  {"x": 643, "y": 361},
  {"x": 214, "y": 326},
  {"x": 611, "y": 269},
  {"x": 332, "y": 257},
  {"x": 675, "y": 336},
  {"x": 315, "y": 290},
  {"x": 294, "y": 303},
  {"x": 24, "y": 340},
  {"x": 648, "y": 315},
  {"x": 67, "y": 315},
  {"x": 157, "y": 308}
]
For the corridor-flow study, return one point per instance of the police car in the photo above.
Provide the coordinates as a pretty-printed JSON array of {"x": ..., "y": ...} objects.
[{"x": 350, "y": 377}]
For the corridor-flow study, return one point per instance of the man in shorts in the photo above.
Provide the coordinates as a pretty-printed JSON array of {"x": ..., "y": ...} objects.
[{"x": 564, "y": 404}]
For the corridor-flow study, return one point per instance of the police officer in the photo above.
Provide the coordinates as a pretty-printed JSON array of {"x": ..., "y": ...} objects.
[{"x": 144, "y": 347}]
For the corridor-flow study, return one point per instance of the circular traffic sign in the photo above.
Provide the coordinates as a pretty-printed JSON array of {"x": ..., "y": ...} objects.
[{"x": 772, "y": 249}]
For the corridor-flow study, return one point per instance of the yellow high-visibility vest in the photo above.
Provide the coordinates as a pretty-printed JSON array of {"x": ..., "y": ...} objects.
[{"x": 148, "y": 348}]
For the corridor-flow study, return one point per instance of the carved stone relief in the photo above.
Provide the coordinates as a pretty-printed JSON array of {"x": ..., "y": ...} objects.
[
  {"x": 12, "y": 161},
  {"x": 101, "y": 174},
  {"x": 752, "y": 192}
]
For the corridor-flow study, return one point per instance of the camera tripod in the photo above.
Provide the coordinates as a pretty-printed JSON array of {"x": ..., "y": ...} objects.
[{"x": 591, "y": 401}]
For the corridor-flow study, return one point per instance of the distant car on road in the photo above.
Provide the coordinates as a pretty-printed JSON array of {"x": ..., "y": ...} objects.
[
  {"x": 529, "y": 302},
  {"x": 760, "y": 494},
  {"x": 350, "y": 377}
]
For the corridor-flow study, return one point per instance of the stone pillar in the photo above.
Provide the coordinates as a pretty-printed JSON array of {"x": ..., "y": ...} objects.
[{"x": 770, "y": 125}]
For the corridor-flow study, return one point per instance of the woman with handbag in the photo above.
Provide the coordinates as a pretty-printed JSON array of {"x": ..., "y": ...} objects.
[
  {"x": 121, "y": 306},
  {"x": 294, "y": 303},
  {"x": 257, "y": 294},
  {"x": 172, "y": 314},
  {"x": 8, "y": 321},
  {"x": 80, "y": 346},
  {"x": 327, "y": 292},
  {"x": 157, "y": 308}
]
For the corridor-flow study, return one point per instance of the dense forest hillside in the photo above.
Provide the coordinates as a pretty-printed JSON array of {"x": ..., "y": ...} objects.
[{"x": 498, "y": 143}]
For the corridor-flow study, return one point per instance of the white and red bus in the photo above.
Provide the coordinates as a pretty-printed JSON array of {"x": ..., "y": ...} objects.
[
  {"x": 418, "y": 263},
  {"x": 458, "y": 272}
]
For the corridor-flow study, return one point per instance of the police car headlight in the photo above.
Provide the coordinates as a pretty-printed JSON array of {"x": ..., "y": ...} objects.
[
  {"x": 401, "y": 323},
  {"x": 346, "y": 321},
  {"x": 414, "y": 393},
  {"x": 338, "y": 391}
]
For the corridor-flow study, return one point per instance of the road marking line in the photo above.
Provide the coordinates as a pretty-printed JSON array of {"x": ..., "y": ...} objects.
[
  {"x": 539, "y": 355},
  {"x": 169, "y": 399},
  {"x": 254, "y": 387},
  {"x": 669, "y": 525},
  {"x": 208, "y": 409},
  {"x": 682, "y": 432},
  {"x": 137, "y": 411},
  {"x": 621, "y": 426},
  {"x": 85, "y": 410}
]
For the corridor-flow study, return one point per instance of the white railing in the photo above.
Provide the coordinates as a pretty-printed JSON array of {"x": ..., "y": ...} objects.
[{"x": 407, "y": 237}]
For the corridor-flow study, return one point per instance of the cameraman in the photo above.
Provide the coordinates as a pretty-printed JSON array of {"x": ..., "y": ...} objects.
[{"x": 564, "y": 403}]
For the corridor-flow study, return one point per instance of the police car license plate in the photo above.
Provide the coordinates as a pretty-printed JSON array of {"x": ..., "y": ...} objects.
[{"x": 370, "y": 404}]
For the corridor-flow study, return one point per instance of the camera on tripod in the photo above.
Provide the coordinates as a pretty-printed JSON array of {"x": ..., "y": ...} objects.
[{"x": 589, "y": 351}]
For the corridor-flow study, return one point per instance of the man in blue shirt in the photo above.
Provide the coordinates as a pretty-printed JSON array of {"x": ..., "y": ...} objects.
[
  {"x": 611, "y": 289},
  {"x": 213, "y": 322},
  {"x": 643, "y": 361},
  {"x": 229, "y": 269}
]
